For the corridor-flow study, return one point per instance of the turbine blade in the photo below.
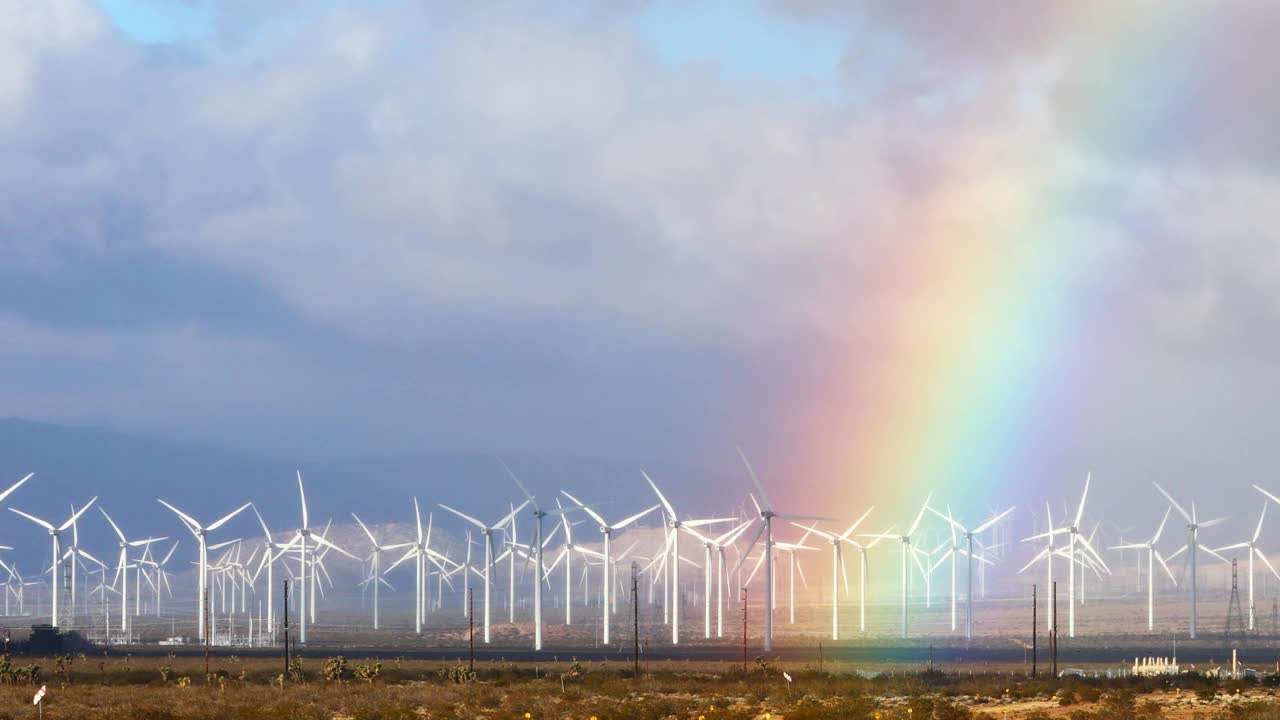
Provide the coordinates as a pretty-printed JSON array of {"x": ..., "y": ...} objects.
[
  {"x": 586, "y": 509},
  {"x": 32, "y": 518},
  {"x": 1261, "y": 516},
  {"x": 848, "y": 533},
  {"x": 919, "y": 515},
  {"x": 227, "y": 518},
  {"x": 1160, "y": 530},
  {"x": 15, "y": 486},
  {"x": 634, "y": 518},
  {"x": 1179, "y": 508},
  {"x": 76, "y": 516},
  {"x": 366, "y": 529},
  {"x": 988, "y": 524},
  {"x": 519, "y": 484},
  {"x": 1263, "y": 557},
  {"x": 671, "y": 512},
  {"x": 1083, "y": 496},
  {"x": 464, "y": 516},
  {"x": 755, "y": 480},
  {"x": 302, "y": 494},
  {"x": 115, "y": 527}
]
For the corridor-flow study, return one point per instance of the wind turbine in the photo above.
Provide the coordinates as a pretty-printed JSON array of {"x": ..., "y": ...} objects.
[
  {"x": 1193, "y": 527},
  {"x": 122, "y": 568},
  {"x": 487, "y": 531},
  {"x": 54, "y": 533},
  {"x": 607, "y": 530},
  {"x": 717, "y": 545},
  {"x": 968, "y": 551},
  {"x": 302, "y": 539},
  {"x": 538, "y": 514},
  {"x": 1074, "y": 537},
  {"x": 201, "y": 532},
  {"x": 837, "y": 564},
  {"x": 1046, "y": 553},
  {"x": 422, "y": 553},
  {"x": 375, "y": 561},
  {"x": 566, "y": 554},
  {"x": 1153, "y": 555},
  {"x": 767, "y": 514},
  {"x": 675, "y": 523},
  {"x": 907, "y": 556},
  {"x": 1253, "y": 549},
  {"x": 162, "y": 575}
]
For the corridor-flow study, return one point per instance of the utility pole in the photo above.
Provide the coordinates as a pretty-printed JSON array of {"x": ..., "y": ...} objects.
[
  {"x": 471, "y": 630},
  {"x": 635, "y": 616},
  {"x": 744, "y": 630},
  {"x": 286, "y": 628},
  {"x": 1033, "y": 630},
  {"x": 1053, "y": 639}
]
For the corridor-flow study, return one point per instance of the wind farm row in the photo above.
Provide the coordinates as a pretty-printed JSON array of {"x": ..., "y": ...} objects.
[{"x": 555, "y": 560}]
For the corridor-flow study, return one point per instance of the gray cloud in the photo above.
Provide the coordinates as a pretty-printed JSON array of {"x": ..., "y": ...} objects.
[{"x": 502, "y": 227}]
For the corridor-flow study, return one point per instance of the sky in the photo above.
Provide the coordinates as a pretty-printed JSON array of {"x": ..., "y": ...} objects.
[{"x": 885, "y": 247}]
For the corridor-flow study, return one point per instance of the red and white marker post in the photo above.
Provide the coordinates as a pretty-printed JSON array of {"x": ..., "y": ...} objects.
[{"x": 35, "y": 700}]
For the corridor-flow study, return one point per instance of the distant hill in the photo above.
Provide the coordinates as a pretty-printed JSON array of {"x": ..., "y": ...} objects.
[{"x": 129, "y": 472}]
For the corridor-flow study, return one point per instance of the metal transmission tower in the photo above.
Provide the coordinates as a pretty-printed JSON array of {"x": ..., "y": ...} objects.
[
  {"x": 1235, "y": 618},
  {"x": 68, "y": 614}
]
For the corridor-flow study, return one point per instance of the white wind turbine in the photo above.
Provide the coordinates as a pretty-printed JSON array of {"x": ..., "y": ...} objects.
[
  {"x": 968, "y": 552},
  {"x": 375, "y": 562},
  {"x": 162, "y": 575},
  {"x": 487, "y": 531},
  {"x": 74, "y": 555},
  {"x": 201, "y": 533},
  {"x": 1046, "y": 553},
  {"x": 537, "y": 547},
  {"x": 421, "y": 553},
  {"x": 767, "y": 514},
  {"x": 676, "y": 524},
  {"x": 1253, "y": 549},
  {"x": 607, "y": 530},
  {"x": 54, "y": 534},
  {"x": 1153, "y": 556},
  {"x": 907, "y": 557},
  {"x": 566, "y": 554},
  {"x": 1193, "y": 527},
  {"x": 838, "y": 571},
  {"x": 790, "y": 549},
  {"x": 122, "y": 568},
  {"x": 1074, "y": 538},
  {"x": 273, "y": 551},
  {"x": 717, "y": 545},
  {"x": 302, "y": 539}
]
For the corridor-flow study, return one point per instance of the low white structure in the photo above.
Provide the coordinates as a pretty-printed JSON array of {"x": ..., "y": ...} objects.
[{"x": 1155, "y": 666}]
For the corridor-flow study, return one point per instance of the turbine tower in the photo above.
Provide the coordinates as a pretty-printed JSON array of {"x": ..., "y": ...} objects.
[
  {"x": 1153, "y": 555},
  {"x": 1193, "y": 528}
]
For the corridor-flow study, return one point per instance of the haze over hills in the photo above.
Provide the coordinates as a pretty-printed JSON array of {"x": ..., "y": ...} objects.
[{"x": 128, "y": 472}]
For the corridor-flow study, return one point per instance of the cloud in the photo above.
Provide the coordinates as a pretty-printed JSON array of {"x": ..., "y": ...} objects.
[{"x": 450, "y": 183}]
